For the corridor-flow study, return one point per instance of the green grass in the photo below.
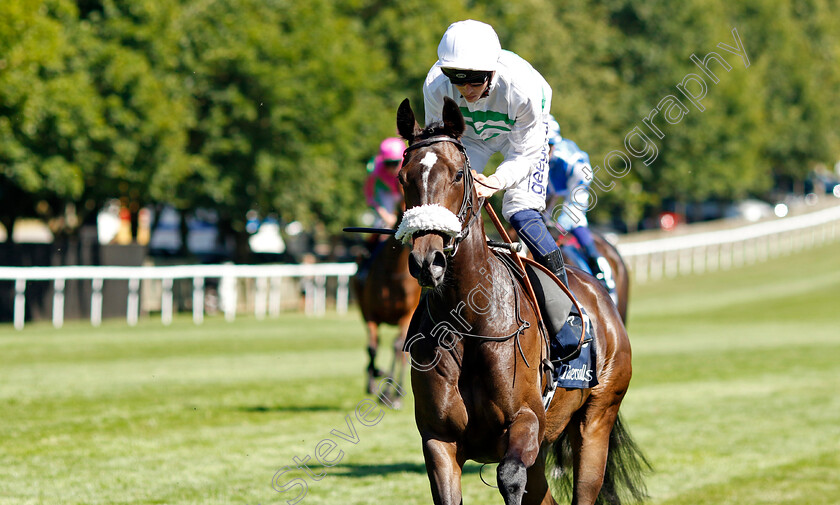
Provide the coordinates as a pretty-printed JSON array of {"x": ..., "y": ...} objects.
[{"x": 734, "y": 399}]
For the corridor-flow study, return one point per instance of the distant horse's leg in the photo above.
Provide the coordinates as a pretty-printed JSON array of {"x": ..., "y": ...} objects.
[
  {"x": 400, "y": 360},
  {"x": 523, "y": 450},
  {"x": 444, "y": 471},
  {"x": 589, "y": 434},
  {"x": 537, "y": 491},
  {"x": 373, "y": 345}
]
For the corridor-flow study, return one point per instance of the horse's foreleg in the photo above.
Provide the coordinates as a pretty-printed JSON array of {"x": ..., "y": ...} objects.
[
  {"x": 523, "y": 450},
  {"x": 590, "y": 437},
  {"x": 444, "y": 471},
  {"x": 373, "y": 345},
  {"x": 398, "y": 365}
]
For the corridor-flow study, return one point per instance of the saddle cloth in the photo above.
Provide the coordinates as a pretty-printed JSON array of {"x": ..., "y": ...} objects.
[{"x": 577, "y": 372}]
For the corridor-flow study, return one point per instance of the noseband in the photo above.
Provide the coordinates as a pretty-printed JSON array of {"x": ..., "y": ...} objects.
[{"x": 407, "y": 228}]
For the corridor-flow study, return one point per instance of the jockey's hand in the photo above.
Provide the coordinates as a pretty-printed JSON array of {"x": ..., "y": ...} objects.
[
  {"x": 486, "y": 186},
  {"x": 389, "y": 218}
]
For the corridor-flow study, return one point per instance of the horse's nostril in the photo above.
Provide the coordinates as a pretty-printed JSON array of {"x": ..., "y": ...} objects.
[
  {"x": 438, "y": 266},
  {"x": 439, "y": 259},
  {"x": 414, "y": 265}
]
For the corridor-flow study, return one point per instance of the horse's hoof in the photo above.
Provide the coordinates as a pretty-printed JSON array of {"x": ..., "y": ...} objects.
[
  {"x": 396, "y": 403},
  {"x": 371, "y": 382},
  {"x": 379, "y": 373},
  {"x": 511, "y": 476},
  {"x": 391, "y": 400}
]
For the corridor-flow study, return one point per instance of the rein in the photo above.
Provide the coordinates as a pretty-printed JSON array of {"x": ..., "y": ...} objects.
[{"x": 523, "y": 325}]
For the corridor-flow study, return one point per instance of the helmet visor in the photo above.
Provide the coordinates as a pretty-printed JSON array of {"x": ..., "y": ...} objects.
[{"x": 459, "y": 77}]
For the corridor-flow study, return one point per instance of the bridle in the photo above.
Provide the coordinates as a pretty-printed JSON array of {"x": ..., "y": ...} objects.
[{"x": 467, "y": 205}]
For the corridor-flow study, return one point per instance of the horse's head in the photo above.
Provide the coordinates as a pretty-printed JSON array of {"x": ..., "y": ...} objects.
[{"x": 439, "y": 196}]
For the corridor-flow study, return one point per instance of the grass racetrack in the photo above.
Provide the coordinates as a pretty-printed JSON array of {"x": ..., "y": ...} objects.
[{"x": 735, "y": 399}]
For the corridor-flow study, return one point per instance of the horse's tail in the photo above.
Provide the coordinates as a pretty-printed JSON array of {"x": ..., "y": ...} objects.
[{"x": 624, "y": 474}]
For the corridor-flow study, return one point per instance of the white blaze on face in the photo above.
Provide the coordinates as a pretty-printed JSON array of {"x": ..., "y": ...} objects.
[{"x": 428, "y": 161}]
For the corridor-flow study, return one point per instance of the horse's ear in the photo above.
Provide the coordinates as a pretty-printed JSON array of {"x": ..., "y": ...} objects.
[
  {"x": 453, "y": 120},
  {"x": 406, "y": 124}
]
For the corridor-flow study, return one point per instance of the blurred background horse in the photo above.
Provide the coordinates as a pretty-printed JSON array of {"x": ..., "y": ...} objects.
[
  {"x": 386, "y": 294},
  {"x": 573, "y": 255}
]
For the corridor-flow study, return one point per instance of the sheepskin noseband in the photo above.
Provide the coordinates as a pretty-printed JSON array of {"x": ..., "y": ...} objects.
[{"x": 430, "y": 217}]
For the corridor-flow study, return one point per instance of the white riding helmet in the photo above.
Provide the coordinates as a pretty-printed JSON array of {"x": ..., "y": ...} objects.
[{"x": 470, "y": 45}]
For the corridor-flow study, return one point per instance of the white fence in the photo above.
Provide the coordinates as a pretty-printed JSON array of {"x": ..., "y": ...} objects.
[
  {"x": 266, "y": 301},
  {"x": 724, "y": 249},
  {"x": 652, "y": 259}
]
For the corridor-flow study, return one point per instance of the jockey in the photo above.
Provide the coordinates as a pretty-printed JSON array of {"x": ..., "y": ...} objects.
[
  {"x": 383, "y": 195},
  {"x": 382, "y": 191},
  {"x": 505, "y": 103},
  {"x": 568, "y": 179}
]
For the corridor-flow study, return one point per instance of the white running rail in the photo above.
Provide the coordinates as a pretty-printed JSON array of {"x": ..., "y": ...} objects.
[
  {"x": 724, "y": 249},
  {"x": 648, "y": 260},
  {"x": 267, "y": 298}
]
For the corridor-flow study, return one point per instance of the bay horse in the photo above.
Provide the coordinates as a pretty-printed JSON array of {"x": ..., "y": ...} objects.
[
  {"x": 388, "y": 295},
  {"x": 621, "y": 275},
  {"x": 477, "y": 350}
]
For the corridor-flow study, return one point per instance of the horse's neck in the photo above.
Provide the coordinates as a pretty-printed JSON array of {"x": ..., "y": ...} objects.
[
  {"x": 472, "y": 254},
  {"x": 480, "y": 297},
  {"x": 473, "y": 271}
]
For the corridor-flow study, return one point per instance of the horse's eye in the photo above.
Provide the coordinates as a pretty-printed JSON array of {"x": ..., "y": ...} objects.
[
  {"x": 459, "y": 176},
  {"x": 401, "y": 178}
]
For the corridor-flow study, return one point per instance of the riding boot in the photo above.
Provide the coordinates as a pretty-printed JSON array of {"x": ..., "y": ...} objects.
[
  {"x": 554, "y": 262},
  {"x": 373, "y": 245},
  {"x": 362, "y": 271},
  {"x": 564, "y": 345}
]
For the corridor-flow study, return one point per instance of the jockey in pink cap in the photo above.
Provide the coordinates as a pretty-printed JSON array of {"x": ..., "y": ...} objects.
[
  {"x": 383, "y": 194},
  {"x": 382, "y": 191}
]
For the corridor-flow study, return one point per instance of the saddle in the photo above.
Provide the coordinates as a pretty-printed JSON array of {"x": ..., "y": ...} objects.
[
  {"x": 555, "y": 305},
  {"x": 571, "y": 362},
  {"x": 570, "y": 370},
  {"x": 563, "y": 322}
]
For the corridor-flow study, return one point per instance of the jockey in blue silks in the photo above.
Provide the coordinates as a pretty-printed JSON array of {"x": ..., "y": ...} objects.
[{"x": 569, "y": 179}]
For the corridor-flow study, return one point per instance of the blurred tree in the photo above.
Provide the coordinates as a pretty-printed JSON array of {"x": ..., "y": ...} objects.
[
  {"x": 85, "y": 118},
  {"x": 279, "y": 106},
  {"x": 712, "y": 151},
  {"x": 146, "y": 110},
  {"x": 407, "y": 34},
  {"x": 796, "y": 49},
  {"x": 274, "y": 105},
  {"x": 48, "y": 113}
]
